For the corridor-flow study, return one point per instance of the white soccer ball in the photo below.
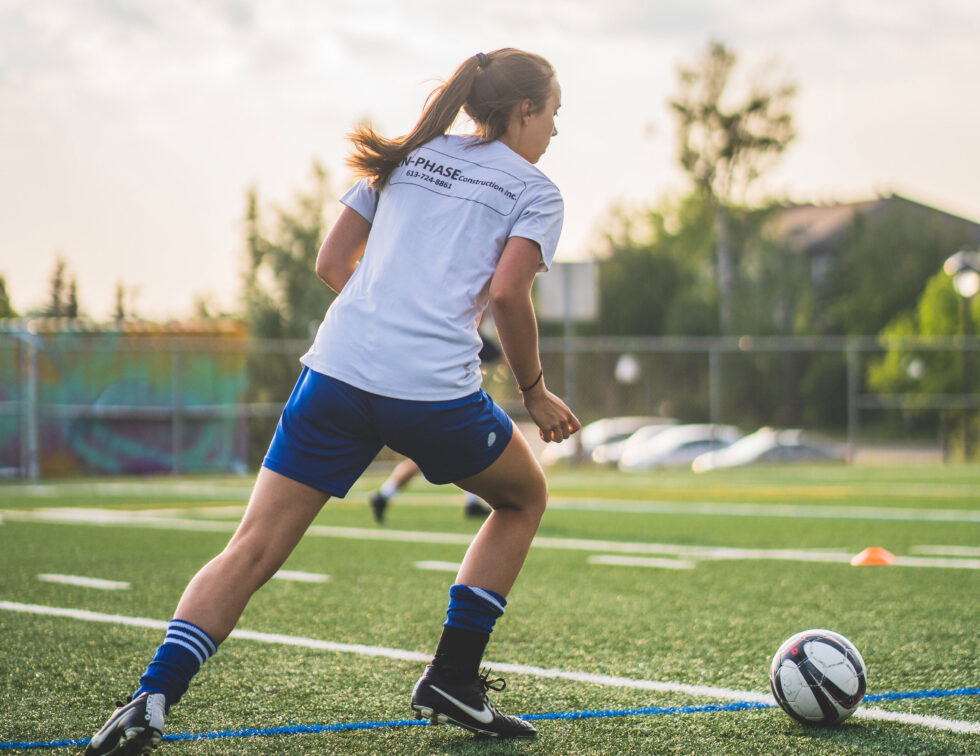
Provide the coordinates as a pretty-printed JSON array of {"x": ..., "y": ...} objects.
[{"x": 818, "y": 677}]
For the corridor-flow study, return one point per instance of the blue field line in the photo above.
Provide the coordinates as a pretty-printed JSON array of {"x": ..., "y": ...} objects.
[
  {"x": 921, "y": 694},
  {"x": 250, "y": 732}
]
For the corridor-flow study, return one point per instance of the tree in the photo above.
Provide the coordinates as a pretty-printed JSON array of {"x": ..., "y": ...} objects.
[
  {"x": 63, "y": 297},
  {"x": 6, "y": 308},
  {"x": 651, "y": 280},
  {"x": 71, "y": 303},
  {"x": 119, "y": 310},
  {"x": 886, "y": 257},
  {"x": 724, "y": 149},
  {"x": 283, "y": 297},
  {"x": 56, "y": 305},
  {"x": 939, "y": 312}
]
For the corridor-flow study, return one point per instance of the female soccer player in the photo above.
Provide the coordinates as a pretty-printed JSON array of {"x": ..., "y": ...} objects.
[{"x": 438, "y": 228}]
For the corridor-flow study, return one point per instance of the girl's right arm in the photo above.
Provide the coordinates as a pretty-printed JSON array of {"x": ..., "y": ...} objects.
[
  {"x": 343, "y": 247},
  {"x": 513, "y": 314}
]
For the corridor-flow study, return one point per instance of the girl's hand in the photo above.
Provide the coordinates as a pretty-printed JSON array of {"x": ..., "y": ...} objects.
[{"x": 555, "y": 421}]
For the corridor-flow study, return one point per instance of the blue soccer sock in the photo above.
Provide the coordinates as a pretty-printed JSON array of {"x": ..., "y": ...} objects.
[
  {"x": 184, "y": 649},
  {"x": 470, "y": 618},
  {"x": 475, "y": 609}
]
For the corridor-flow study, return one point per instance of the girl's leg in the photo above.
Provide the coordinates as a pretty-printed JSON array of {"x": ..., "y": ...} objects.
[
  {"x": 451, "y": 690},
  {"x": 279, "y": 512},
  {"x": 515, "y": 488},
  {"x": 404, "y": 471}
]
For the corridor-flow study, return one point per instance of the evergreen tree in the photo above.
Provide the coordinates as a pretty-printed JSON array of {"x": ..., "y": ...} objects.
[
  {"x": 71, "y": 303},
  {"x": 283, "y": 297},
  {"x": 56, "y": 303},
  {"x": 6, "y": 308},
  {"x": 119, "y": 310},
  {"x": 63, "y": 296}
]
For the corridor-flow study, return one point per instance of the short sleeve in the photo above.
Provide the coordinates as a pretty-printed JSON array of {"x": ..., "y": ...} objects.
[
  {"x": 541, "y": 221},
  {"x": 362, "y": 199}
]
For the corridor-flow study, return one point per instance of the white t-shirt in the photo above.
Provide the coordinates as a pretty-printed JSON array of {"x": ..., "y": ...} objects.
[{"x": 405, "y": 325}]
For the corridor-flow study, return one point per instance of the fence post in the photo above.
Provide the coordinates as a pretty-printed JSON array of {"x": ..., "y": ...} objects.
[
  {"x": 176, "y": 402},
  {"x": 30, "y": 446},
  {"x": 714, "y": 384},
  {"x": 853, "y": 388}
]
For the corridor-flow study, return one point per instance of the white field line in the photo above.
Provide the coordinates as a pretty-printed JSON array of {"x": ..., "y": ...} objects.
[
  {"x": 127, "y": 488},
  {"x": 957, "y": 551},
  {"x": 628, "y": 561},
  {"x": 242, "y": 489},
  {"x": 696, "y": 553},
  {"x": 935, "y": 723},
  {"x": 85, "y": 582},
  {"x": 301, "y": 577},
  {"x": 726, "y": 694},
  {"x": 738, "y": 509},
  {"x": 705, "y": 508},
  {"x": 794, "y": 511},
  {"x": 438, "y": 566}
]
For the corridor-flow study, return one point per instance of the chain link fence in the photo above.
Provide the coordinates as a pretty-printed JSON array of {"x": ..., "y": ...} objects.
[{"x": 159, "y": 401}]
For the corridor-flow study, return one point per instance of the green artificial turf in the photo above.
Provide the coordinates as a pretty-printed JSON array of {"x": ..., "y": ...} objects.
[{"x": 715, "y": 625}]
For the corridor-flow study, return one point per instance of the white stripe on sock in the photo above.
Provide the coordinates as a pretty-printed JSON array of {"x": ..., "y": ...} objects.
[
  {"x": 486, "y": 597},
  {"x": 193, "y": 649},
  {"x": 195, "y": 632},
  {"x": 177, "y": 636}
]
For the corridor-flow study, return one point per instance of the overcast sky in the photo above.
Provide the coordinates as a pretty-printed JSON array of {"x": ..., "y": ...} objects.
[{"x": 130, "y": 130}]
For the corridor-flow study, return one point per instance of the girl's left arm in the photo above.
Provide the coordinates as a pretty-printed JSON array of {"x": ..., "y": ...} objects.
[{"x": 343, "y": 247}]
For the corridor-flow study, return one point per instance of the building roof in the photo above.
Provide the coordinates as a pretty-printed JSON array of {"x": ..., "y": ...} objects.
[{"x": 818, "y": 228}]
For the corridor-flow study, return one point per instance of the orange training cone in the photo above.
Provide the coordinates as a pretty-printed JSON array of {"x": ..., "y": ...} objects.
[{"x": 873, "y": 555}]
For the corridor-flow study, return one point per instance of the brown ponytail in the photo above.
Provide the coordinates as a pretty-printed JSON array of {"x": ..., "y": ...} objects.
[{"x": 487, "y": 87}]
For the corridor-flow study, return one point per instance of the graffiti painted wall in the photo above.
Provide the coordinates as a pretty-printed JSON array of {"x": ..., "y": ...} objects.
[{"x": 139, "y": 398}]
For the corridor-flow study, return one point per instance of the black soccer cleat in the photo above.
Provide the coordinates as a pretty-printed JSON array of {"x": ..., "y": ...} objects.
[
  {"x": 133, "y": 729},
  {"x": 378, "y": 505},
  {"x": 465, "y": 704}
]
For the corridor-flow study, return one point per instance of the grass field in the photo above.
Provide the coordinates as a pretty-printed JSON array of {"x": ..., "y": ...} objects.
[{"x": 667, "y": 653}]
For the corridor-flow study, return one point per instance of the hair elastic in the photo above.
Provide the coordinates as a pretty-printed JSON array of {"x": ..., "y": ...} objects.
[
  {"x": 482, "y": 60},
  {"x": 533, "y": 383}
]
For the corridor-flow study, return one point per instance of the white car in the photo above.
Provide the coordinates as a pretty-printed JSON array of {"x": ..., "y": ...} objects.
[
  {"x": 767, "y": 446},
  {"x": 594, "y": 434},
  {"x": 610, "y": 452},
  {"x": 677, "y": 446}
]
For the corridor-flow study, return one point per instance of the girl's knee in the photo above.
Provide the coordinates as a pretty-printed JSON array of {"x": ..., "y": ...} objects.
[{"x": 531, "y": 496}]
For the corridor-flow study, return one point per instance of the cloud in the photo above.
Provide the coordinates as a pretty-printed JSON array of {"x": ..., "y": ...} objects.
[{"x": 139, "y": 124}]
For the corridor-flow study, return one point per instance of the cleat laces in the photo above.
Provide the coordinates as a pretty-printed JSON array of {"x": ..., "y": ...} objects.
[{"x": 497, "y": 684}]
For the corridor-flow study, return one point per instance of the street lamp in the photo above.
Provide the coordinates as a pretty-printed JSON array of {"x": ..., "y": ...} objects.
[{"x": 964, "y": 268}]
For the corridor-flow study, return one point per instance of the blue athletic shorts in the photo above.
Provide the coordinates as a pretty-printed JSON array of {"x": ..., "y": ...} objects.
[{"x": 330, "y": 431}]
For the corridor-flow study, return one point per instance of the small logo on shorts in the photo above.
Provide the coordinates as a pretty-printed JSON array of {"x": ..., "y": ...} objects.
[{"x": 491, "y": 438}]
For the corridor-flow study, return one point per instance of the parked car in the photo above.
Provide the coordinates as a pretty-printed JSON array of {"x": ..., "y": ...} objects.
[
  {"x": 677, "y": 446},
  {"x": 609, "y": 452},
  {"x": 594, "y": 434},
  {"x": 767, "y": 446}
]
